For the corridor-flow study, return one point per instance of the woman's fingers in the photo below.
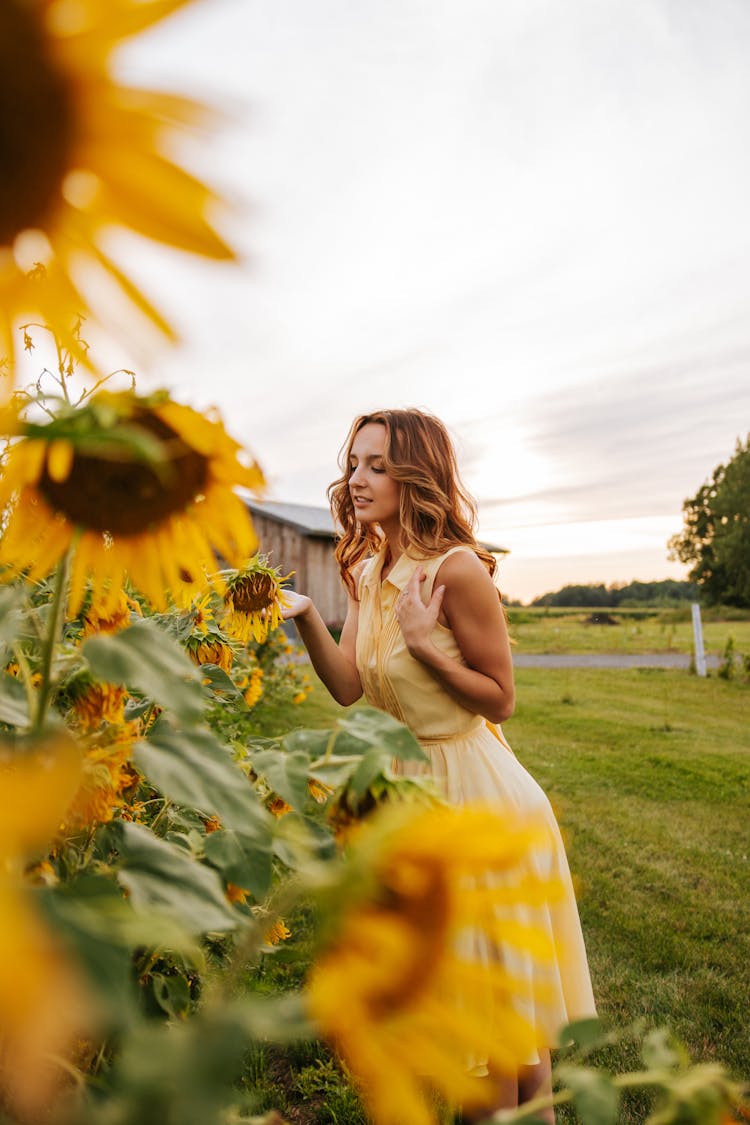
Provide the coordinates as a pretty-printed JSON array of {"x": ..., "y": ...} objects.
[
  {"x": 296, "y": 604},
  {"x": 437, "y": 598}
]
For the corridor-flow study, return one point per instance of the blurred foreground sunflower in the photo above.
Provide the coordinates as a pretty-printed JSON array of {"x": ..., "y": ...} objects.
[
  {"x": 80, "y": 154},
  {"x": 141, "y": 488},
  {"x": 434, "y": 891},
  {"x": 43, "y": 1004},
  {"x": 253, "y": 601}
]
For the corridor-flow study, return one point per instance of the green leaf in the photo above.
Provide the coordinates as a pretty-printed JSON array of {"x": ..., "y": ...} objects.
[
  {"x": 283, "y": 1018},
  {"x": 242, "y": 858},
  {"x": 373, "y": 765},
  {"x": 286, "y": 774},
  {"x": 335, "y": 772},
  {"x": 192, "y": 768},
  {"x": 163, "y": 878},
  {"x": 314, "y": 743},
  {"x": 595, "y": 1098},
  {"x": 14, "y": 704},
  {"x": 87, "y": 915},
  {"x": 313, "y": 838},
  {"x": 11, "y": 612},
  {"x": 661, "y": 1051},
  {"x": 381, "y": 730},
  {"x": 172, "y": 994},
  {"x": 101, "y": 928},
  {"x": 581, "y": 1033},
  {"x": 222, "y": 687},
  {"x": 178, "y": 626},
  {"x": 143, "y": 657}
]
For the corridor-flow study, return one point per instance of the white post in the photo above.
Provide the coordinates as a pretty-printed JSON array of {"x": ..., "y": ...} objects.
[{"x": 700, "y": 656}]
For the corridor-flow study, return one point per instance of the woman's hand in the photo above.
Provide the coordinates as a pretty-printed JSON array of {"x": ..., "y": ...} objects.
[
  {"x": 297, "y": 605},
  {"x": 417, "y": 619}
]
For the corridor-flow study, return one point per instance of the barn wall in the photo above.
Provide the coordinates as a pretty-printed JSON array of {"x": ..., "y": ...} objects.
[{"x": 323, "y": 582}]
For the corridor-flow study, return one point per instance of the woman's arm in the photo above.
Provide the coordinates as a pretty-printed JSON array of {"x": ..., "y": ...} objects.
[
  {"x": 334, "y": 663},
  {"x": 467, "y": 601}
]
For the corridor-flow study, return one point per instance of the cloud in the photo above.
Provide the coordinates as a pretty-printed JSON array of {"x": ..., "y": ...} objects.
[{"x": 632, "y": 443}]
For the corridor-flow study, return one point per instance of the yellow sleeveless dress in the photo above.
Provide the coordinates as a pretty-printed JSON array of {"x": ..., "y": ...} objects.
[{"x": 471, "y": 761}]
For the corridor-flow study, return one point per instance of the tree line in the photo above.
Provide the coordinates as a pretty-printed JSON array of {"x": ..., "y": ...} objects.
[{"x": 666, "y": 593}]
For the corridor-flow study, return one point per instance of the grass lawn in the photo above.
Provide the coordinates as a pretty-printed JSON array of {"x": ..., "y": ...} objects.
[{"x": 649, "y": 773}]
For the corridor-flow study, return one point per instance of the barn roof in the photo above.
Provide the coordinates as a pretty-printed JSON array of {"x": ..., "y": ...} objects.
[
  {"x": 318, "y": 522},
  {"x": 305, "y": 518}
]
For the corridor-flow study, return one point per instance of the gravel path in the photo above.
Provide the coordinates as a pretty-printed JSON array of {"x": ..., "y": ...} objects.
[{"x": 606, "y": 660}]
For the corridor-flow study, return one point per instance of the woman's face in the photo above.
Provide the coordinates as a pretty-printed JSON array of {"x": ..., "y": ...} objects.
[{"x": 374, "y": 494}]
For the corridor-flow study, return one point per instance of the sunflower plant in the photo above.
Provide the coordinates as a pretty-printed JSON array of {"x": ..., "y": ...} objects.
[{"x": 125, "y": 487}]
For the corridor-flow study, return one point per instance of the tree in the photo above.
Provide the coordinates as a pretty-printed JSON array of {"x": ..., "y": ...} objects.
[{"x": 716, "y": 535}]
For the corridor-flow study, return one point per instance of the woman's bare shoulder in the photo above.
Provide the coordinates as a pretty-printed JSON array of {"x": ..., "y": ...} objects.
[{"x": 462, "y": 566}]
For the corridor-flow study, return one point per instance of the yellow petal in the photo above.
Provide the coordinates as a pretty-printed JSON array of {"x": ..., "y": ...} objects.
[
  {"x": 136, "y": 187},
  {"x": 35, "y": 790},
  {"x": 60, "y": 460}
]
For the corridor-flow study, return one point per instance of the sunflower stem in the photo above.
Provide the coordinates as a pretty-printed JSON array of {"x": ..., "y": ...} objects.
[
  {"x": 54, "y": 632},
  {"x": 527, "y": 1109},
  {"x": 636, "y": 1079},
  {"x": 161, "y": 814}
]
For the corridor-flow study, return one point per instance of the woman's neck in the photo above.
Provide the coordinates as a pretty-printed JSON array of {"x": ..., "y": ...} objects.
[{"x": 393, "y": 548}]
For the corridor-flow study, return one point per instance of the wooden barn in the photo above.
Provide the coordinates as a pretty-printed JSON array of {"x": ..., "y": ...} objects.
[{"x": 301, "y": 538}]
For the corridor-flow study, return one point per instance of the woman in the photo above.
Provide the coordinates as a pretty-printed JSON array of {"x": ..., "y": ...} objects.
[{"x": 425, "y": 638}]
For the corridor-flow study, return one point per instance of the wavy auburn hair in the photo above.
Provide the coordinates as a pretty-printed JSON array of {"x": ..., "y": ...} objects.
[{"x": 436, "y": 511}]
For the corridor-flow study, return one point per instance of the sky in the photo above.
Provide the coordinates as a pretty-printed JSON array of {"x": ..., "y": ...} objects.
[{"x": 528, "y": 217}]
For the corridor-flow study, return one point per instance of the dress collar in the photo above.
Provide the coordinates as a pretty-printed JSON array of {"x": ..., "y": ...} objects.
[{"x": 398, "y": 576}]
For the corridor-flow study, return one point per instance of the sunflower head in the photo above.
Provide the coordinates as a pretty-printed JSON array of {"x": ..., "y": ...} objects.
[
  {"x": 423, "y": 942},
  {"x": 253, "y": 600},
  {"x": 278, "y": 806},
  {"x": 252, "y": 686},
  {"x": 142, "y": 487},
  {"x": 43, "y": 121},
  {"x": 211, "y": 649},
  {"x": 114, "y": 619},
  {"x": 353, "y": 807},
  {"x": 93, "y": 703},
  {"x": 279, "y": 931},
  {"x": 236, "y": 894},
  {"x": 81, "y": 153}
]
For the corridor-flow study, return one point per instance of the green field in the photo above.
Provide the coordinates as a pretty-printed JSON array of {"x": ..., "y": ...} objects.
[
  {"x": 649, "y": 773},
  {"x": 538, "y": 630}
]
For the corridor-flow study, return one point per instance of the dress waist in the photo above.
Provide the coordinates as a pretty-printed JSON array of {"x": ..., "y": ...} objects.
[{"x": 474, "y": 726}]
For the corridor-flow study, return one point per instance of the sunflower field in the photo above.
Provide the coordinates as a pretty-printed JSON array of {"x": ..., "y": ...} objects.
[{"x": 158, "y": 832}]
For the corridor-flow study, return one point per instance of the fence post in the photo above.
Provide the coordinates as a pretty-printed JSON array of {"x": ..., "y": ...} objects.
[{"x": 700, "y": 656}]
